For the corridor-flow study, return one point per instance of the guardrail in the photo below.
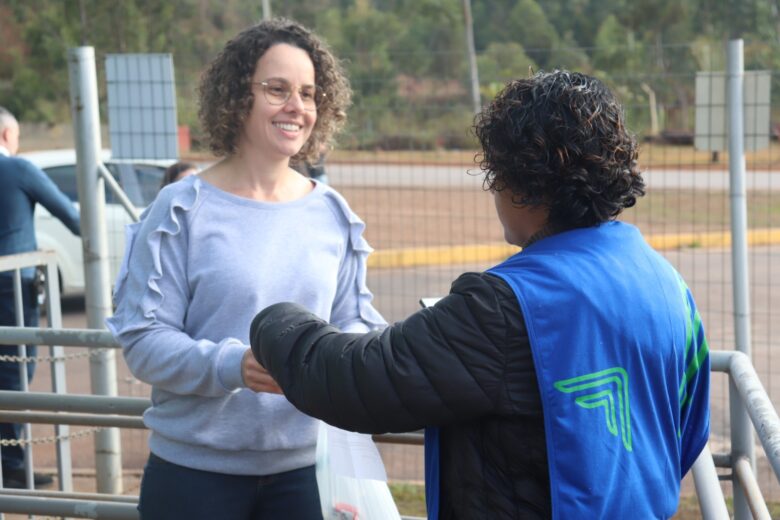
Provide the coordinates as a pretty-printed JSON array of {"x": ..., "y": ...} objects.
[
  {"x": 85, "y": 410},
  {"x": 746, "y": 386},
  {"x": 125, "y": 412},
  {"x": 48, "y": 261},
  {"x": 89, "y": 410}
]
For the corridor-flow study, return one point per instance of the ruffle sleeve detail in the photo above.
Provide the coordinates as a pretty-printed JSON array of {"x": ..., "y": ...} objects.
[
  {"x": 372, "y": 318},
  {"x": 165, "y": 217}
]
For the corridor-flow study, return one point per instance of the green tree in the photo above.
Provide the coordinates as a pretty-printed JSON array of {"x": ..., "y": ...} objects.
[
  {"x": 615, "y": 47},
  {"x": 529, "y": 26},
  {"x": 501, "y": 63},
  {"x": 567, "y": 54},
  {"x": 581, "y": 18},
  {"x": 38, "y": 87},
  {"x": 434, "y": 41},
  {"x": 732, "y": 18},
  {"x": 364, "y": 38}
]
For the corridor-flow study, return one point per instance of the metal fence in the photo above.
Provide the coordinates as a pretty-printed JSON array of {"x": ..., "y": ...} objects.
[
  {"x": 104, "y": 411},
  {"x": 62, "y": 408},
  {"x": 430, "y": 221},
  {"x": 419, "y": 191},
  {"x": 56, "y": 358}
]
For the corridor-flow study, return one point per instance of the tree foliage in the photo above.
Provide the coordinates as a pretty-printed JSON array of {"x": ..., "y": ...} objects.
[{"x": 400, "y": 54}]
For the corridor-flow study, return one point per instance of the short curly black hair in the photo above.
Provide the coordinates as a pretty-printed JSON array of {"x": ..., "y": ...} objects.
[
  {"x": 226, "y": 95},
  {"x": 559, "y": 140}
]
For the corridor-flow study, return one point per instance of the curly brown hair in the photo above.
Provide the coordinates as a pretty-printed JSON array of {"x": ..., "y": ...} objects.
[
  {"x": 559, "y": 140},
  {"x": 226, "y": 94}
]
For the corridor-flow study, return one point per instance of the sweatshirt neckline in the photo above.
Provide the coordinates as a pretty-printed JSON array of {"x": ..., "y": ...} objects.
[{"x": 318, "y": 189}]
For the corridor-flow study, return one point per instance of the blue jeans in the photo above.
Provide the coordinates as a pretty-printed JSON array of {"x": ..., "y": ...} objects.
[
  {"x": 170, "y": 492},
  {"x": 13, "y": 456}
]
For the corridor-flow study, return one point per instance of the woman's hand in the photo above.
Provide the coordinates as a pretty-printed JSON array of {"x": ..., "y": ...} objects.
[{"x": 256, "y": 377}]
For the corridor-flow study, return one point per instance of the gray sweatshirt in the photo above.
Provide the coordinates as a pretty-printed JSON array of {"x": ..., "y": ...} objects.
[{"x": 197, "y": 268}]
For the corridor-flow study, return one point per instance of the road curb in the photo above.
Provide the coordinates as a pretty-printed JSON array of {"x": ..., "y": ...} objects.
[{"x": 497, "y": 251}]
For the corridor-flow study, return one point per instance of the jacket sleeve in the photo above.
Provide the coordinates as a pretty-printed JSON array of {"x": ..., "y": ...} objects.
[
  {"x": 42, "y": 189},
  {"x": 441, "y": 365}
]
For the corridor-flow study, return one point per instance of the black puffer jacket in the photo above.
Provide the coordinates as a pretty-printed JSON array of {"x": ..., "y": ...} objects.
[{"x": 464, "y": 364}]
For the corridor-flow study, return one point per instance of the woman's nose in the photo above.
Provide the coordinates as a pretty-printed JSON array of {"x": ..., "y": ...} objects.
[{"x": 295, "y": 101}]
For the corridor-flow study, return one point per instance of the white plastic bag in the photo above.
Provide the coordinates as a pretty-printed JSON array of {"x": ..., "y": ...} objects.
[{"x": 342, "y": 496}]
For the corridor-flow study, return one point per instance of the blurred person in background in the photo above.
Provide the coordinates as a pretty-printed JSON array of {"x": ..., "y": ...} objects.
[
  {"x": 571, "y": 380},
  {"x": 22, "y": 186},
  {"x": 314, "y": 170},
  {"x": 216, "y": 248},
  {"x": 178, "y": 171}
]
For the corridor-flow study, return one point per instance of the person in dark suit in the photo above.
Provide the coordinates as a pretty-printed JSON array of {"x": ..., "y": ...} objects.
[{"x": 22, "y": 186}]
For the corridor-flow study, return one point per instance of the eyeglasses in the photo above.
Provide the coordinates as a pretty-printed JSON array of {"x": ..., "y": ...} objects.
[{"x": 278, "y": 92}]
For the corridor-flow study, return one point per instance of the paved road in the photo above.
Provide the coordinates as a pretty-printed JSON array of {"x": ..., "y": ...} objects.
[{"x": 408, "y": 175}]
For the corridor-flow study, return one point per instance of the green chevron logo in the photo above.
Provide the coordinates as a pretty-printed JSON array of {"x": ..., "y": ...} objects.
[{"x": 607, "y": 389}]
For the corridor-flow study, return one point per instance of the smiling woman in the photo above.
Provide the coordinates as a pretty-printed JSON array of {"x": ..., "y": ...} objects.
[
  {"x": 226, "y": 96},
  {"x": 216, "y": 248},
  {"x": 282, "y": 119}
]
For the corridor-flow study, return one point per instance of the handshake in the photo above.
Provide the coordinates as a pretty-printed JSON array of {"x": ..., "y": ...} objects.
[{"x": 271, "y": 337}]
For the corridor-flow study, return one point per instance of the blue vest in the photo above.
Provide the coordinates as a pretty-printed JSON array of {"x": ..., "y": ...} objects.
[{"x": 623, "y": 370}]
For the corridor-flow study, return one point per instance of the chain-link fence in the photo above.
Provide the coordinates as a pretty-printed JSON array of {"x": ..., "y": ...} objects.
[
  {"x": 430, "y": 221},
  {"x": 407, "y": 167}
]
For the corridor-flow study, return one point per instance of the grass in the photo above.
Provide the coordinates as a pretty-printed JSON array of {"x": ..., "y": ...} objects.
[
  {"x": 689, "y": 509},
  {"x": 651, "y": 155},
  {"x": 410, "y": 499},
  {"x": 40, "y": 137},
  {"x": 687, "y": 210}
]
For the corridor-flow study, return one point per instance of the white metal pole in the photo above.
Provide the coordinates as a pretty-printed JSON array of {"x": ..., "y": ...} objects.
[
  {"x": 741, "y": 429},
  {"x": 86, "y": 123},
  {"x": 266, "y": 9},
  {"x": 23, "y": 371},
  {"x": 472, "y": 54},
  {"x": 705, "y": 478},
  {"x": 58, "y": 375}
]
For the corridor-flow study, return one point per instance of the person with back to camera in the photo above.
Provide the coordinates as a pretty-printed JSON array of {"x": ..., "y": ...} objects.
[
  {"x": 22, "y": 186},
  {"x": 214, "y": 249},
  {"x": 571, "y": 380}
]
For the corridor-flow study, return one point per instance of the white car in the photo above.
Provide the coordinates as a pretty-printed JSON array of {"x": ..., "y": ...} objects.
[{"x": 139, "y": 179}]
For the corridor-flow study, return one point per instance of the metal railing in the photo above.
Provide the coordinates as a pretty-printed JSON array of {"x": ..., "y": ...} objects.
[
  {"x": 15, "y": 264},
  {"x": 746, "y": 391},
  {"x": 125, "y": 412},
  {"x": 84, "y": 410}
]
